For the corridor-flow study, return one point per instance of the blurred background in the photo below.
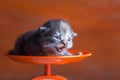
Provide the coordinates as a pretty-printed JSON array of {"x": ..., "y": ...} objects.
[{"x": 97, "y": 23}]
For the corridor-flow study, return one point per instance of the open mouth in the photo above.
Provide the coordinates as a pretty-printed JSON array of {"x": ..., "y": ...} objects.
[{"x": 60, "y": 49}]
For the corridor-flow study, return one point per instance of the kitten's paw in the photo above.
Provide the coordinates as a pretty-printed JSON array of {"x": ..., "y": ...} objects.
[{"x": 79, "y": 53}]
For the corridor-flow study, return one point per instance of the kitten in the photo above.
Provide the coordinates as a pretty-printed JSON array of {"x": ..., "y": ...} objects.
[{"x": 53, "y": 38}]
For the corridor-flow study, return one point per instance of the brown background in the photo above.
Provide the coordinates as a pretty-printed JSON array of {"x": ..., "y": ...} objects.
[{"x": 97, "y": 23}]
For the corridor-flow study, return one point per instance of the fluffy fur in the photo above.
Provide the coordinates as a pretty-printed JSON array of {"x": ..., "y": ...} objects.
[{"x": 53, "y": 38}]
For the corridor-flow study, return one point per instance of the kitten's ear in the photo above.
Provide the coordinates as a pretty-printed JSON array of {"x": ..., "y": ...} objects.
[
  {"x": 74, "y": 34},
  {"x": 43, "y": 29}
]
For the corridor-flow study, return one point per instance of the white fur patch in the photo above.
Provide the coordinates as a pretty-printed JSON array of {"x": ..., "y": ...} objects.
[{"x": 64, "y": 26}]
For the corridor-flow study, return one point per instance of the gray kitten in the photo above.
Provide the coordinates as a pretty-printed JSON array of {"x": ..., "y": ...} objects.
[{"x": 53, "y": 38}]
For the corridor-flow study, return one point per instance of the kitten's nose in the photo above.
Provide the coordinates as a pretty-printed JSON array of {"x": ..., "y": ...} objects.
[{"x": 64, "y": 43}]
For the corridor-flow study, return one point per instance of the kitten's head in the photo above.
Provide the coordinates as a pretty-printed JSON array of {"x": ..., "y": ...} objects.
[{"x": 58, "y": 35}]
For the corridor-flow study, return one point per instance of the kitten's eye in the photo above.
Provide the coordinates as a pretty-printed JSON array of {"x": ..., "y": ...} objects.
[
  {"x": 57, "y": 37},
  {"x": 69, "y": 39}
]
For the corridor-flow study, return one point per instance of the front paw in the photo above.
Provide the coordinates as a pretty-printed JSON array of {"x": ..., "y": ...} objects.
[{"x": 79, "y": 53}]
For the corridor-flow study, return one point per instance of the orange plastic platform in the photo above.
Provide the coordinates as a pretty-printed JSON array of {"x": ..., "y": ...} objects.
[{"x": 48, "y": 60}]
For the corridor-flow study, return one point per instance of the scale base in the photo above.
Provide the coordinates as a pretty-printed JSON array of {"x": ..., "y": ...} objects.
[{"x": 57, "y": 77}]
